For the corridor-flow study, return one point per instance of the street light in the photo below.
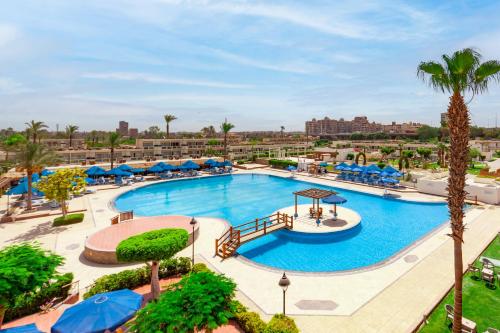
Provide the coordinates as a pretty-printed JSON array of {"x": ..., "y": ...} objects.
[
  {"x": 284, "y": 283},
  {"x": 193, "y": 223}
]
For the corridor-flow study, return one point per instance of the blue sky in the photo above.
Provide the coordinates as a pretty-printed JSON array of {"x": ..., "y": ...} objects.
[{"x": 260, "y": 64}]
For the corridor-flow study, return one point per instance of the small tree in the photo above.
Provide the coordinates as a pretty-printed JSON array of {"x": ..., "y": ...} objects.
[
  {"x": 386, "y": 151},
  {"x": 424, "y": 154},
  {"x": 168, "y": 119},
  {"x": 200, "y": 301},
  {"x": 12, "y": 143},
  {"x": 24, "y": 268},
  {"x": 113, "y": 142},
  {"x": 152, "y": 246},
  {"x": 70, "y": 133},
  {"x": 474, "y": 154},
  {"x": 59, "y": 185}
]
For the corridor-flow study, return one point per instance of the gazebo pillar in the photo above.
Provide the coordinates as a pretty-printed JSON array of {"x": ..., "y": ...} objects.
[{"x": 296, "y": 214}]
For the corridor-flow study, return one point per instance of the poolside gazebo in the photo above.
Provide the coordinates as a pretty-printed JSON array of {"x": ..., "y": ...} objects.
[{"x": 314, "y": 193}]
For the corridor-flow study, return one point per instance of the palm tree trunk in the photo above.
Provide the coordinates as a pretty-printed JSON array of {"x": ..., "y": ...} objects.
[
  {"x": 112, "y": 156},
  {"x": 70, "y": 141},
  {"x": 225, "y": 146},
  {"x": 155, "y": 281},
  {"x": 458, "y": 125},
  {"x": 29, "y": 205},
  {"x": 168, "y": 130}
]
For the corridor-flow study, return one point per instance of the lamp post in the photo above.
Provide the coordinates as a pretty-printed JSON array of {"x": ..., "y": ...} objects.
[
  {"x": 192, "y": 223},
  {"x": 284, "y": 283}
]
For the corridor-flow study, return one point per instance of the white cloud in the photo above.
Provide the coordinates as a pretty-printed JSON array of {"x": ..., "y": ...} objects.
[
  {"x": 9, "y": 86},
  {"x": 145, "y": 77},
  {"x": 295, "y": 67},
  {"x": 8, "y": 33}
]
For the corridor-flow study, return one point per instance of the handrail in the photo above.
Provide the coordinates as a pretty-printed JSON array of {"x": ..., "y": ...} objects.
[{"x": 231, "y": 239}]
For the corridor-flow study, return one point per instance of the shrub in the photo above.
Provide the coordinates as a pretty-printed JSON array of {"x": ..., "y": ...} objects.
[
  {"x": 200, "y": 267},
  {"x": 68, "y": 219},
  {"x": 133, "y": 278},
  {"x": 381, "y": 165},
  {"x": 281, "y": 324},
  {"x": 250, "y": 322},
  {"x": 199, "y": 301},
  {"x": 282, "y": 164},
  {"x": 30, "y": 303}
]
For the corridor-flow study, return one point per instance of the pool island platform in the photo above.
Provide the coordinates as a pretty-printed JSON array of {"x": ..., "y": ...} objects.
[{"x": 346, "y": 219}]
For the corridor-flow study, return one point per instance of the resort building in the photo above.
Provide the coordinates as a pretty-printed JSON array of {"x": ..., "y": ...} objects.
[
  {"x": 360, "y": 124},
  {"x": 122, "y": 128}
]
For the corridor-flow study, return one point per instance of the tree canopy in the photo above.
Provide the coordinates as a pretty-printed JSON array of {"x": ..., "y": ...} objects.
[
  {"x": 426, "y": 132},
  {"x": 59, "y": 185},
  {"x": 24, "y": 268},
  {"x": 199, "y": 301},
  {"x": 152, "y": 245}
]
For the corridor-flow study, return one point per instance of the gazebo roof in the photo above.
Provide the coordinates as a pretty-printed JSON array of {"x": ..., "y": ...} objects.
[{"x": 315, "y": 193}]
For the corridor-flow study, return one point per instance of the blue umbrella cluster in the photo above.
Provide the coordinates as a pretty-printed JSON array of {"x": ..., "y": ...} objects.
[
  {"x": 161, "y": 167},
  {"x": 189, "y": 165},
  {"x": 371, "y": 174},
  {"x": 95, "y": 171}
]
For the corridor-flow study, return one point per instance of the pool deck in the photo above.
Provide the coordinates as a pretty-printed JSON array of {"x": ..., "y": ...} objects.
[{"x": 391, "y": 297}]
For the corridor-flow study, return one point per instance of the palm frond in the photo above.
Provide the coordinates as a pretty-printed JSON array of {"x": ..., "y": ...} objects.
[
  {"x": 484, "y": 73},
  {"x": 438, "y": 77}
]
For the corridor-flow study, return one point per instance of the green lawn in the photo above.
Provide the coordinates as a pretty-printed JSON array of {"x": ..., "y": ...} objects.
[
  {"x": 477, "y": 168},
  {"x": 480, "y": 303}
]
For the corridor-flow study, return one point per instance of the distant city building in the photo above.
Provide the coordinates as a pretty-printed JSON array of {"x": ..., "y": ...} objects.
[
  {"x": 122, "y": 128},
  {"x": 444, "y": 118},
  {"x": 360, "y": 124},
  {"x": 133, "y": 132}
]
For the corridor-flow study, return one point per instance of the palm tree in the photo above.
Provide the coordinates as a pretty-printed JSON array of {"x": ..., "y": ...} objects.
[
  {"x": 32, "y": 157},
  {"x": 168, "y": 119},
  {"x": 386, "y": 151},
  {"x": 459, "y": 73},
  {"x": 33, "y": 128},
  {"x": 113, "y": 142},
  {"x": 226, "y": 127},
  {"x": 70, "y": 132},
  {"x": 442, "y": 149},
  {"x": 282, "y": 131},
  {"x": 209, "y": 131}
]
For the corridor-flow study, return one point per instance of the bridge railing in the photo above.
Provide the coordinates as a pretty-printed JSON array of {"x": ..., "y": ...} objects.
[{"x": 234, "y": 234}]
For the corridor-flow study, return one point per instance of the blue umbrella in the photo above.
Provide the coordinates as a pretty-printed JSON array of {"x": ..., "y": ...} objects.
[
  {"x": 189, "y": 165},
  {"x": 374, "y": 167},
  {"x": 22, "y": 188},
  {"x": 95, "y": 171},
  {"x": 372, "y": 172},
  {"x": 389, "y": 169},
  {"x": 210, "y": 162},
  {"x": 155, "y": 169},
  {"x": 358, "y": 169},
  {"x": 118, "y": 172},
  {"x": 227, "y": 163},
  {"x": 323, "y": 164},
  {"x": 89, "y": 180},
  {"x": 101, "y": 312},
  {"x": 126, "y": 167},
  {"x": 291, "y": 168},
  {"x": 46, "y": 172},
  {"x": 339, "y": 167},
  {"x": 334, "y": 200},
  {"x": 390, "y": 180},
  {"x": 34, "y": 178},
  {"x": 169, "y": 167},
  {"x": 138, "y": 170},
  {"x": 397, "y": 174},
  {"x": 30, "y": 328}
]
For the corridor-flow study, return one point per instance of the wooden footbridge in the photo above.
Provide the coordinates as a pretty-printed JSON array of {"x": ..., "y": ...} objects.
[{"x": 228, "y": 243}]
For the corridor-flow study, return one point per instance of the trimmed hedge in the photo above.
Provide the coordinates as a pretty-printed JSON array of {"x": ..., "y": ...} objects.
[
  {"x": 250, "y": 322},
  {"x": 200, "y": 267},
  {"x": 68, "y": 219},
  {"x": 30, "y": 303},
  {"x": 152, "y": 245},
  {"x": 282, "y": 164},
  {"x": 133, "y": 278},
  {"x": 281, "y": 324}
]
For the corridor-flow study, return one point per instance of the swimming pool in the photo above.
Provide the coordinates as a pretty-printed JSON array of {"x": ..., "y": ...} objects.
[{"x": 387, "y": 225}]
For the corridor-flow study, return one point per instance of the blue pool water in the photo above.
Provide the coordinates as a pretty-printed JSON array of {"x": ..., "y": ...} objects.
[{"x": 387, "y": 226}]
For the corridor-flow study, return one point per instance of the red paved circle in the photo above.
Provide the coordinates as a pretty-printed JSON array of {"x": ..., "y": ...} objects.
[{"x": 100, "y": 247}]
